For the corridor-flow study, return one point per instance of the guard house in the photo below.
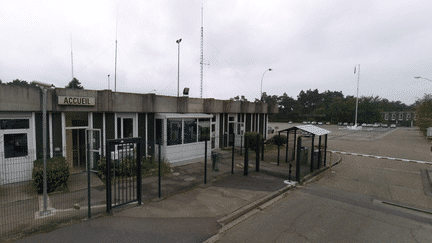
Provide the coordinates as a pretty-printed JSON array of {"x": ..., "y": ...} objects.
[
  {"x": 75, "y": 117},
  {"x": 310, "y": 130}
]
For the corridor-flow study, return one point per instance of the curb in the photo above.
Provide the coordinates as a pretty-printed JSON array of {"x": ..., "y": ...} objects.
[{"x": 240, "y": 215}]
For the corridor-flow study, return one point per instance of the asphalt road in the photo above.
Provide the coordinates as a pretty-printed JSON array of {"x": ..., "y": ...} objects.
[
  {"x": 360, "y": 200},
  {"x": 321, "y": 214}
]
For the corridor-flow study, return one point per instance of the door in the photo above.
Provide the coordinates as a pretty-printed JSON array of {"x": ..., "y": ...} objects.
[
  {"x": 94, "y": 143},
  {"x": 79, "y": 149}
]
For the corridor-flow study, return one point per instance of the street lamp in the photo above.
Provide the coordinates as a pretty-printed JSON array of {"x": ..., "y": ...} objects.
[
  {"x": 422, "y": 78},
  {"x": 178, "y": 68},
  {"x": 262, "y": 80},
  {"x": 44, "y": 88}
]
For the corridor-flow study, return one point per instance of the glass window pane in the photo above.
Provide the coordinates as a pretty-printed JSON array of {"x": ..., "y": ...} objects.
[
  {"x": 190, "y": 130},
  {"x": 14, "y": 124},
  {"x": 15, "y": 145},
  {"x": 127, "y": 128},
  {"x": 174, "y": 131},
  {"x": 204, "y": 129}
]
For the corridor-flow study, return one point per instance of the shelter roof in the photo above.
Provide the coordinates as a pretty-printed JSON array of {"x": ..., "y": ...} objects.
[{"x": 310, "y": 129}]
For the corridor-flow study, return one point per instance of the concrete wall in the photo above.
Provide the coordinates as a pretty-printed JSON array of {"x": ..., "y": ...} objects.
[
  {"x": 29, "y": 99},
  {"x": 19, "y": 99}
]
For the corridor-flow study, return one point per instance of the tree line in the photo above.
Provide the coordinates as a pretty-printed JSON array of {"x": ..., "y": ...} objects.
[
  {"x": 73, "y": 84},
  {"x": 331, "y": 106}
]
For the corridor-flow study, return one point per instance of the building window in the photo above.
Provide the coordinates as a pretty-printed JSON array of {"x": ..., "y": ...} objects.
[
  {"x": 15, "y": 145},
  {"x": 408, "y": 117},
  {"x": 393, "y": 117},
  {"x": 401, "y": 116},
  {"x": 174, "y": 131},
  {"x": 203, "y": 129},
  {"x": 124, "y": 127},
  {"x": 190, "y": 131},
  {"x": 415, "y": 116},
  {"x": 386, "y": 117},
  {"x": 6, "y": 124}
]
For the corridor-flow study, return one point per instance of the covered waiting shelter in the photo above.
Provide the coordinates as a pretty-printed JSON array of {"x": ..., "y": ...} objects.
[{"x": 309, "y": 130}]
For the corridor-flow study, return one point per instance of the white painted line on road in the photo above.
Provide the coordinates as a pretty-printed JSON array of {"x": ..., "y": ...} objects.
[{"x": 380, "y": 157}]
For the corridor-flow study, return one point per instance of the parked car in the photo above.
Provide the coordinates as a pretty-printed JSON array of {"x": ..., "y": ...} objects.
[
  {"x": 314, "y": 123},
  {"x": 393, "y": 126},
  {"x": 370, "y": 125},
  {"x": 327, "y": 123},
  {"x": 290, "y": 122},
  {"x": 339, "y": 123},
  {"x": 345, "y": 123},
  {"x": 304, "y": 122},
  {"x": 384, "y": 125},
  {"x": 364, "y": 125},
  {"x": 375, "y": 125},
  {"x": 320, "y": 123},
  {"x": 351, "y": 124},
  {"x": 308, "y": 122}
]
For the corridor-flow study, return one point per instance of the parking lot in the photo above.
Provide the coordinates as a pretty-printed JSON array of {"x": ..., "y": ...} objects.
[{"x": 401, "y": 142}]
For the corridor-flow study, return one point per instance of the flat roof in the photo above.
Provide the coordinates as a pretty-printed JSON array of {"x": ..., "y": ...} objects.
[
  {"x": 310, "y": 129},
  {"x": 180, "y": 115}
]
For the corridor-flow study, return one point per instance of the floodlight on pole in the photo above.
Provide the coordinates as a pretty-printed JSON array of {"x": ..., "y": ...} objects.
[
  {"x": 262, "y": 80},
  {"x": 178, "y": 68}
]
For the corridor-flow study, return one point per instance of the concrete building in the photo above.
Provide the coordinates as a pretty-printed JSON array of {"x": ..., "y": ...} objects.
[
  {"x": 76, "y": 116},
  {"x": 400, "y": 118}
]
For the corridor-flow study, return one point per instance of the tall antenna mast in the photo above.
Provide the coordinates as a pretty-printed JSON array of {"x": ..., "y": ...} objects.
[
  {"x": 72, "y": 58},
  {"x": 202, "y": 50},
  {"x": 115, "y": 65}
]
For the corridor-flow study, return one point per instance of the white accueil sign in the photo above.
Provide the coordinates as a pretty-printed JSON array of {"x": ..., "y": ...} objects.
[{"x": 72, "y": 100}]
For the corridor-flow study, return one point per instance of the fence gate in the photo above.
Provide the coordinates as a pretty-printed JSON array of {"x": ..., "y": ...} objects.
[{"x": 123, "y": 180}]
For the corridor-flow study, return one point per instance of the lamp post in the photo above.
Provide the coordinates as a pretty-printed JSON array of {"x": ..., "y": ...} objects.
[
  {"x": 44, "y": 88},
  {"x": 178, "y": 68},
  {"x": 262, "y": 80}
]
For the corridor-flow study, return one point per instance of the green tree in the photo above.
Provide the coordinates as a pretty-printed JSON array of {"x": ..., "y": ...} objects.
[
  {"x": 74, "y": 84},
  {"x": 423, "y": 110}
]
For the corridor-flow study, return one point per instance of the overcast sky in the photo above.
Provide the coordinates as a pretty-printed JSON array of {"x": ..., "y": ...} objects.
[{"x": 307, "y": 44}]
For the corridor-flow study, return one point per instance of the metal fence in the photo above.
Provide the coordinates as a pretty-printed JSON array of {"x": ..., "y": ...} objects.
[{"x": 167, "y": 171}]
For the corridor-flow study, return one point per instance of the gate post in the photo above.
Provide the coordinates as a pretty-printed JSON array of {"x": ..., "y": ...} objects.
[
  {"x": 159, "y": 170},
  {"x": 205, "y": 161},
  {"x": 232, "y": 157},
  {"x": 312, "y": 153},
  {"x": 246, "y": 158},
  {"x": 298, "y": 159},
  {"x": 257, "y": 159},
  {"x": 108, "y": 177},
  {"x": 139, "y": 179}
]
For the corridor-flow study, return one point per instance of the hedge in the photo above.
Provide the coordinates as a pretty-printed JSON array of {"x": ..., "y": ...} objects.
[{"x": 57, "y": 174}]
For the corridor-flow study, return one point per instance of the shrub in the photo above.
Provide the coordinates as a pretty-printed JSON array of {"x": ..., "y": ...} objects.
[
  {"x": 278, "y": 140},
  {"x": 57, "y": 174},
  {"x": 127, "y": 167},
  {"x": 251, "y": 138}
]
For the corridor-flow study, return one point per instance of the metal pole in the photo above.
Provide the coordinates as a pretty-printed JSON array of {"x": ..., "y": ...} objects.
[
  {"x": 298, "y": 175},
  {"x": 286, "y": 149},
  {"x": 44, "y": 131},
  {"x": 325, "y": 150},
  {"x": 246, "y": 158},
  {"x": 257, "y": 159},
  {"x": 88, "y": 174},
  {"x": 358, "y": 79},
  {"x": 319, "y": 152},
  {"x": 232, "y": 157},
  {"x": 205, "y": 161},
  {"x": 312, "y": 153},
  {"x": 159, "y": 169},
  {"x": 278, "y": 151},
  {"x": 178, "y": 68}
]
